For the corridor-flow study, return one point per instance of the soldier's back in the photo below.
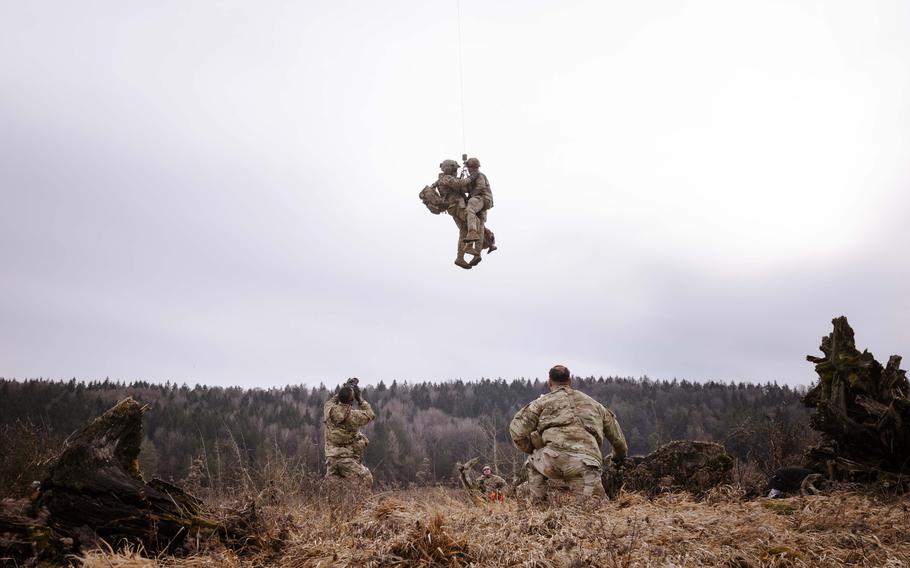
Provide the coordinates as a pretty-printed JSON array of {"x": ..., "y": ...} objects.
[
  {"x": 562, "y": 406},
  {"x": 571, "y": 421}
]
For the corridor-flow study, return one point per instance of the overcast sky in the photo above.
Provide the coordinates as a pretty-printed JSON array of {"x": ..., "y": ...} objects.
[{"x": 226, "y": 192}]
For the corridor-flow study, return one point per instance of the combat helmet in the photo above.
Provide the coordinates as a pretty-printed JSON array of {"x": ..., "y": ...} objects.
[
  {"x": 446, "y": 164},
  {"x": 472, "y": 163}
]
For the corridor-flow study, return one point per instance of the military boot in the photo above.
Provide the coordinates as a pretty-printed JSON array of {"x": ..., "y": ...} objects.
[
  {"x": 476, "y": 260},
  {"x": 460, "y": 261}
]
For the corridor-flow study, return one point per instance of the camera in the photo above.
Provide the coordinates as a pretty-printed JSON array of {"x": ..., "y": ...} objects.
[{"x": 352, "y": 384}]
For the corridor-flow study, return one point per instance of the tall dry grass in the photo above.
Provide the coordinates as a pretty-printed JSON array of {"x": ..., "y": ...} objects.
[{"x": 442, "y": 527}]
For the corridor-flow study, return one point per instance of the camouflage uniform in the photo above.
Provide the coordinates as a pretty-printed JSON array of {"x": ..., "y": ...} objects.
[
  {"x": 447, "y": 194},
  {"x": 344, "y": 444},
  {"x": 453, "y": 190},
  {"x": 492, "y": 486},
  {"x": 563, "y": 431},
  {"x": 480, "y": 198}
]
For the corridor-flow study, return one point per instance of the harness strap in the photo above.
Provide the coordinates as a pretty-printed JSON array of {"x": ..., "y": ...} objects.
[{"x": 579, "y": 420}]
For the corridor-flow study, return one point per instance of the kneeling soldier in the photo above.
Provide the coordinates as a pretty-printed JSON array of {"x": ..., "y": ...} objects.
[{"x": 563, "y": 431}]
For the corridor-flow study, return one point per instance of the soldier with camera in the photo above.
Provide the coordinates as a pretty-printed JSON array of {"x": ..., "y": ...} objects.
[{"x": 344, "y": 443}]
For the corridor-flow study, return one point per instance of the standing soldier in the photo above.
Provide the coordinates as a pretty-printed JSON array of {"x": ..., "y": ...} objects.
[
  {"x": 344, "y": 443},
  {"x": 563, "y": 431}
]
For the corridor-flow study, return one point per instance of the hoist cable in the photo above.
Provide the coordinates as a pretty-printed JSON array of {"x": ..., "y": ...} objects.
[{"x": 464, "y": 143}]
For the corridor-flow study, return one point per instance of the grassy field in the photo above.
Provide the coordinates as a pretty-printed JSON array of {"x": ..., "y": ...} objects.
[{"x": 440, "y": 527}]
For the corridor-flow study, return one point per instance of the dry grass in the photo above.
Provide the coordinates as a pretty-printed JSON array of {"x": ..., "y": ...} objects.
[{"x": 438, "y": 527}]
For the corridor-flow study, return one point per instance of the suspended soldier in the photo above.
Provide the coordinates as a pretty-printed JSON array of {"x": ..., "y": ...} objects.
[
  {"x": 563, "y": 431},
  {"x": 344, "y": 443},
  {"x": 480, "y": 199},
  {"x": 450, "y": 194}
]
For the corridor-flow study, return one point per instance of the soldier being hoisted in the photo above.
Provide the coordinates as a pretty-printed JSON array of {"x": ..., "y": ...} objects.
[{"x": 466, "y": 199}]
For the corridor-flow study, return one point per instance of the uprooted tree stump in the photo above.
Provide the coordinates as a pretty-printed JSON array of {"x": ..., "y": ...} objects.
[
  {"x": 682, "y": 465},
  {"x": 24, "y": 538},
  {"x": 861, "y": 411},
  {"x": 94, "y": 490}
]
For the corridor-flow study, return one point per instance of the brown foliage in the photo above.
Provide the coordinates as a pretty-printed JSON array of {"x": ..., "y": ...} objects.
[
  {"x": 428, "y": 543},
  {"x": 443, "y": 528},
  {"x": 27, "y": 449}
]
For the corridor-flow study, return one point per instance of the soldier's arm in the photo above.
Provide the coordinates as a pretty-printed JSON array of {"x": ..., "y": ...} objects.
[
  {"x": 613, "y": 434},
  {"x": 524, "y": 422},
  {"x": 455, "y": 182},
  {"x": 363, "y": 415},
  {"x": 484, "y": 184},
  {"x": 338, "y": 413}
]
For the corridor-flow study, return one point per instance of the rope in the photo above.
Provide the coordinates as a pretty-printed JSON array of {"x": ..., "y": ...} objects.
[{"x": 464, "y": 143}]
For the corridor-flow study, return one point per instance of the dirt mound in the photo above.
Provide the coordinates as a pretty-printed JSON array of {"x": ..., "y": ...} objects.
[{"x": 682, "y": 465}]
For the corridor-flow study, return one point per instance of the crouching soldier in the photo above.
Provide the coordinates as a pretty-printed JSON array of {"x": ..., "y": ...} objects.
[
  {"x": 563, "y": 431},
  {"x": 491, "y": 485},
  {"x": 344, "y": 443}
]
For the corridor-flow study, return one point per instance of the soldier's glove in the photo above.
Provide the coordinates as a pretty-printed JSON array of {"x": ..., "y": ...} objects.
[
  {"x": 357, "y": 396},
  {"x": 618, "y": 463}
]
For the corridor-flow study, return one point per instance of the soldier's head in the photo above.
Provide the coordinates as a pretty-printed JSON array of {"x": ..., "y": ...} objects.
[
  {"x": 449, "y": 167},
  {"x": 346, "y": 394},
  {"x": 487, "y": 471},
  {"x": 473, "y": 164},
  {"x": 560, "y": 377}
]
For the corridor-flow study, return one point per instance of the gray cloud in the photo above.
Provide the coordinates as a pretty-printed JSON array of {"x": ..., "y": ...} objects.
[{"x": 226, "y": 193}]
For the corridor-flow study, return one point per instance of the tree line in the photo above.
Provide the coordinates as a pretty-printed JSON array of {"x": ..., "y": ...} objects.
[{"x": 211, "y": 434}]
